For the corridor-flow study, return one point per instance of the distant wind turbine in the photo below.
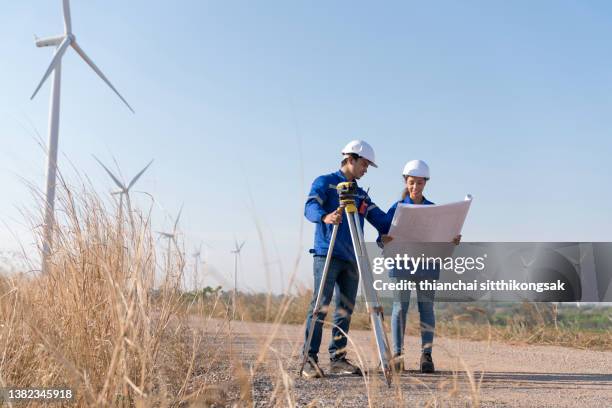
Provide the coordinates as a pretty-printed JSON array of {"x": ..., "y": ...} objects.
[
  {"x": 172, "y": 237},
  {"x": 196, "y": 261},
  {"x": 61, "y": 42},
  {"x": 123, "y": 189},
  {"x": 196, "y": 255},
  {"x": 236, "y": 252}
]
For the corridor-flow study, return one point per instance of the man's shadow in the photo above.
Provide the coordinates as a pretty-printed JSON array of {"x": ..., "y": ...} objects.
[{"x": 501, "y": 379}]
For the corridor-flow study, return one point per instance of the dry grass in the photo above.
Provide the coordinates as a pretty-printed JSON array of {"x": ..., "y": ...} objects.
[
  {"x": 529, "y": 323},
  {"x": 100, "y": 324},
  {"x": 92, "y": 323}
]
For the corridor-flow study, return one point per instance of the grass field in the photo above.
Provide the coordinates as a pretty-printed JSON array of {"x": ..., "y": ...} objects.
[
  {"x": 584, "y": 327},
  {"x": 109, "y": 320}
]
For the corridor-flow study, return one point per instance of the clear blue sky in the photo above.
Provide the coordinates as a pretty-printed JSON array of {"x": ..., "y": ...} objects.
[{"x": 508, "y": 101}]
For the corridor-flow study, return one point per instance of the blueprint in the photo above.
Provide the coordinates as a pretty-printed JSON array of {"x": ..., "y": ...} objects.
[{"x": 426, "y": 223}]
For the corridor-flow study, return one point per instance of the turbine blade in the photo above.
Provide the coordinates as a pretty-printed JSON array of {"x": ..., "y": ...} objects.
[
  {"x": 115, "y": 179},
  {"x": 135, "y": 179},
  {"x": 120, "y": 174},
  {"x": 56, "y": 60},
  {"x": 178, "y": 217},
  {"x": 241, "y": 245},
  {"x": 176, "y": 245},
  {"x": 67, "y": 19},
  {"x": 93, "y": 66},
  {"x": 178, "y": 249}
]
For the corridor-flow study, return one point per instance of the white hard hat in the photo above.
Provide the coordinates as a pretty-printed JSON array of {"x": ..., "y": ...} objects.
[
  {"x": 416, "y": 168},
  {"x": 362, "y": 149}
]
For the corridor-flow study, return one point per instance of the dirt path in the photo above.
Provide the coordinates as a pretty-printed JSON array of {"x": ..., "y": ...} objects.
[{"x": 494, "y": 374}]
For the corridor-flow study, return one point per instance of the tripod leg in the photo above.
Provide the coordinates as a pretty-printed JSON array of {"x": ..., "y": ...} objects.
[
  {"x": 315, "y": 311},
  {"x": 374, "y": 308}
]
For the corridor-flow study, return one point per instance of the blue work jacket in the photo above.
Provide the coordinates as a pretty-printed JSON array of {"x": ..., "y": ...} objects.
[
  {"x": 430, "y": 273},
  {"x": 322, "y": 200}
]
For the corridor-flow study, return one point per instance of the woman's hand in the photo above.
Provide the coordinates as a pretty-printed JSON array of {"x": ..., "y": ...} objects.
[
  {"x": 457, "y": 239},
  {"x": 386, "y": 239}
]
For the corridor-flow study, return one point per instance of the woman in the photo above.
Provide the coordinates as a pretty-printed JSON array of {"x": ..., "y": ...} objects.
[{"x": 416, "y": 175}]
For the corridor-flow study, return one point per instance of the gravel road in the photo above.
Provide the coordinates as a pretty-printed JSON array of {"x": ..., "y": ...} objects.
[{"x": 488, "y": 374}]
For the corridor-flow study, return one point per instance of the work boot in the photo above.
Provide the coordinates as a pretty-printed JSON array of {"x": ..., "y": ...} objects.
[
  {"x": 427, "y": 364},
  {"x": 397, "y": 363},
  {"x": 312, "y": 370},
  {"x": 343, "y": 366}
]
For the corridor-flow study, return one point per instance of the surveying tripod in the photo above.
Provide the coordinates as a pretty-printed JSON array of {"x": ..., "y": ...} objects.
[{"x": 347, "y": 192}]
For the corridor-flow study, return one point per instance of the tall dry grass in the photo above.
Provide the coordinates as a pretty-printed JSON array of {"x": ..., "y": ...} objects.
[
  {"x": 97, "y": 322},
  {"x": 111, "y": 322}
]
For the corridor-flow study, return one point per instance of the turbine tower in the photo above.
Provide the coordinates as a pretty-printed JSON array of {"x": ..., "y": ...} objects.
[
  {"x": 236, "y": 252},
  {"x": 196, "y": 261},
  {"x": 200, "y": 259},
  {"x": 61, "y": 42},
  {"x": 172, "y": 238}
]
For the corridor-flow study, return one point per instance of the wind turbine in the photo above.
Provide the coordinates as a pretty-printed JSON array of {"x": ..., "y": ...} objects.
[
  {"x": 236, "y": 252},
  {"x": 196, "y": 261},
  {"x": 171, "y": 237},
  {"x": 196, "y": 255},
  {"x": 61, "y": 42},
  {"x": 123, "y": 189}
]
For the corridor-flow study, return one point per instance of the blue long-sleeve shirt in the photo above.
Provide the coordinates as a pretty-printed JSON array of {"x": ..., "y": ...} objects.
[{"x": 322, "y": 200}]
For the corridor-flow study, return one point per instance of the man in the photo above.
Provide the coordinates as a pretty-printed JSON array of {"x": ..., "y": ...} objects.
[{"x": 322, "y": 208}]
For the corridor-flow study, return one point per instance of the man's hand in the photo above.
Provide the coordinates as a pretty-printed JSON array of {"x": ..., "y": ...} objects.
[
  {"x": 334, "y": 217},
  {"x": 457, "y": 239}
]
